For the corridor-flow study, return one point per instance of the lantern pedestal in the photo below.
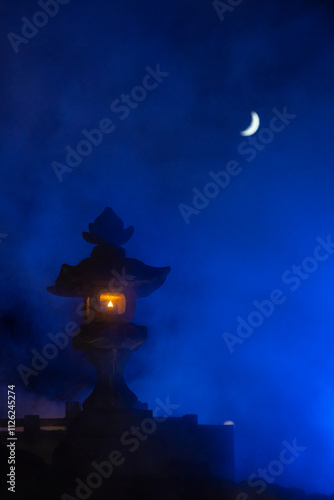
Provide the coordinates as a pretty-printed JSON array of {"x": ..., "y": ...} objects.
[
  {"x": 110, "y": 410},
  {"x": 109, "y": 347},
  {"x": 111, "y": 390}
]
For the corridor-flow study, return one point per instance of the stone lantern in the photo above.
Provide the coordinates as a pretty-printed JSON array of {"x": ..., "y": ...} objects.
[{"x": 109, "y": 284}]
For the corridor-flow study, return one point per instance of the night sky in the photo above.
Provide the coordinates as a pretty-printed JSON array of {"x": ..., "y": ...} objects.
[{"x": 241, "y": 241}]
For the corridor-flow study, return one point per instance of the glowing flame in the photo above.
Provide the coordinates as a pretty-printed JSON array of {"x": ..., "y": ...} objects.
[{"x": 110, "y": 304}]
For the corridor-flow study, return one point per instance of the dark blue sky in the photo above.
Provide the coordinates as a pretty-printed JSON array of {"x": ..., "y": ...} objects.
[{"x": 278, "y": 384}]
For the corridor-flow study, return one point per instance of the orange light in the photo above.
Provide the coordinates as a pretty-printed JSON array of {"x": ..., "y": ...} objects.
[{"x": 113, "y": 303}]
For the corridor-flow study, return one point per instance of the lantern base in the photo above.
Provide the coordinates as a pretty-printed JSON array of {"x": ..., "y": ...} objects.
[
  {"x": 109, "y": 347},
  {"x": 91, "y": 436},
  {"x": 134, "y": 444}
]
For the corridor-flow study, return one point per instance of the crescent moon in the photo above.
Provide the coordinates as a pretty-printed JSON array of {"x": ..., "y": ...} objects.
[{"x": 253, "y": 127}]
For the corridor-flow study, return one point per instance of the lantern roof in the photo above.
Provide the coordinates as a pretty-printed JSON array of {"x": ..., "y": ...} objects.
[
  {"x": 108, "y": 268},
  {"x": 108, "y": 229}
]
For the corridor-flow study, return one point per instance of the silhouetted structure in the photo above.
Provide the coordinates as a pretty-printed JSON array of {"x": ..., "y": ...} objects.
[
  {"x": 109, "y": 284},
  {"x": 114, "y": 437}
]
